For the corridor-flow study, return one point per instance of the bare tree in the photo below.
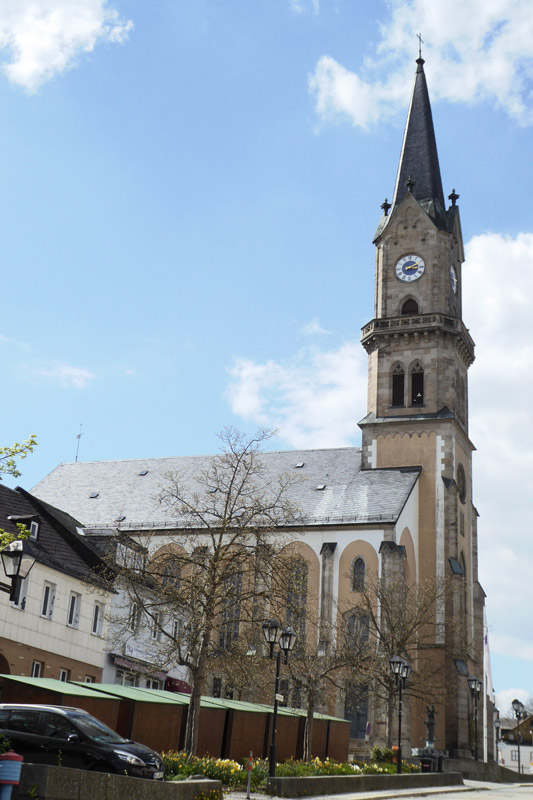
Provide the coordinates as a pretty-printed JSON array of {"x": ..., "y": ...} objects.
[
  {"x": 322, "y": 660},
  {"x": 209, "y": 585},
  {"x": 403, "y": 620}
]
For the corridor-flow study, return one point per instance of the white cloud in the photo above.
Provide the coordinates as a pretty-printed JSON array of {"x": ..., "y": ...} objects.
[
  {"x": 317, "y": 400},
  {"x": 313, "y": 327},
  {"x": 301, "y": 6},
  {"x": 505, "y": 698},
  {"x": 43, "y": 38},
  {"x": 314, "y": 401},
  {"x": 498, "y": 283},
  {"x": 68, "y": 376},
  {"x": 475, "y": 50}
]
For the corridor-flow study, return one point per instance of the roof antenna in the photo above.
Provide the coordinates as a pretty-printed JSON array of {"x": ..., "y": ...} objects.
[
  {"x": 420, "y": 43},
  {"x": 78, "y": 437}
]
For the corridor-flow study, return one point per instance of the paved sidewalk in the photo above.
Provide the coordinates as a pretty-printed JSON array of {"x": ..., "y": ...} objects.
[
  {"x": 469, "y": 786},
  {"x": 376, "y": 795}
]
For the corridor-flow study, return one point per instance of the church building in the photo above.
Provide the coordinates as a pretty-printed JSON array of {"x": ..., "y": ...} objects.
[{"x": 401, "y": 505}]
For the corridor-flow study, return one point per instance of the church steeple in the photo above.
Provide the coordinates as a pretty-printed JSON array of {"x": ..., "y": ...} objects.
[{"x": 419, "y": 171}]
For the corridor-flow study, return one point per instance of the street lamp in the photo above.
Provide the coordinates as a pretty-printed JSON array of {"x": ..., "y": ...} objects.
[
  {"x": 17, "y": 559},
  {"x": 475, "y": 686},
  {"x": 285, "y": 640},
  {"x": 518, "y": 708},
  {"x": 401, "y": 669}
]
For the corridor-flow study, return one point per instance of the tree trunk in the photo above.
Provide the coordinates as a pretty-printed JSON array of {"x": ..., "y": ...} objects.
[
  {"x": 193, "y": 716},
  {"x": 308, "y": 734},
  {"x": 390, "y": 718}
]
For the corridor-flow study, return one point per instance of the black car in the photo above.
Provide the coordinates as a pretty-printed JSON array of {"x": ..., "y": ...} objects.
[{"x": 69, "y": 737}]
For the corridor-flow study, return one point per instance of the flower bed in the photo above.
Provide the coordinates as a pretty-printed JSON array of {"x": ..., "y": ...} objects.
[{"x": 179, "y": 766}]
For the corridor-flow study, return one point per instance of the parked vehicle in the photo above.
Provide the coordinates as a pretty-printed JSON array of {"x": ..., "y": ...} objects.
[{"x": 70, "y": 737}]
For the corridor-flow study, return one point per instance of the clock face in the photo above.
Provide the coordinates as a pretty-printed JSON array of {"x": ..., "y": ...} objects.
[
  {"x": 453, "y": 279},
  {"x": 410, "y": 268}
]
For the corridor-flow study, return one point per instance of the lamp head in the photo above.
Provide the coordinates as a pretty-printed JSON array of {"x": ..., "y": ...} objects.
[
  {"x": 518, "y": 707},
  {"x": 17, "y": 559},
  {"x": 396, "y": 664},
  {"x": 287, "y": 640},
  {"x": 270, "y": 631}
]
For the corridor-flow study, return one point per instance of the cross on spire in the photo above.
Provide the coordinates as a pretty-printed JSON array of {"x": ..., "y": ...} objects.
[{"x": 420, "y": 43}]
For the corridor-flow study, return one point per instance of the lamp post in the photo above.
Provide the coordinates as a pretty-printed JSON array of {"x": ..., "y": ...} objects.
[
  {"x": 17, "y": 559},
  {"x": 497, "y": 727},
  {"x": 518, "y": 708},
  {"x": 285, "y": 640},
  {"x": 475, "y": 686},
  {"x": 401, "y": 669}
]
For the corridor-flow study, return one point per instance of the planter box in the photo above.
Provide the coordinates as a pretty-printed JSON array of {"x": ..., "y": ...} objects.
[
  {"x": 60, "y": 783},
  {"x": 340, "y": 784}
]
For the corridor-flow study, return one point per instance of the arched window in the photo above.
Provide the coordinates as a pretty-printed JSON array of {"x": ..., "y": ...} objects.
[
  {"x": 417, "y": 385},
  {"x": 231, "y": 612},
  {"x": 297, "y": 599},
  {"x": 409, "y": 307},
  {"x": 358, "y": 627},
  {"x": 398, "y": 386},
  {"x": 461, "y": 482},
  {"x": 358, "y": 575}
]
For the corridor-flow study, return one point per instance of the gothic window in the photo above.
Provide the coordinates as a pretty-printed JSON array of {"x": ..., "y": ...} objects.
[
  {"x": 398, "y": 386},
  {"x": 297, "y": 599},
  {"x": 356, "y": 710},
  {"x": 417, "y": 385},
  {"x": 231, "y": 614},
  {"x": 358, "y": 575},
  {"x": 409, "y": 307},
  {"x": 461, "y": 483},
  {"x": 358, "y": 627}
]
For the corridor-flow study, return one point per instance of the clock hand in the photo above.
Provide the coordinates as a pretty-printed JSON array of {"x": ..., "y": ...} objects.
[{"x": 413, "y": 266}]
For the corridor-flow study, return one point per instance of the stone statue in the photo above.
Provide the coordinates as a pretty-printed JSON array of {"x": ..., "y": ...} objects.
[{"x": 430, "y": 727}]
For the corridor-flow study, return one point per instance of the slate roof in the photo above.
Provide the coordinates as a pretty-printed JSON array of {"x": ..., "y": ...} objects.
[
  {"x": 58, "y": 544},
  {"x": 419, "y": 159},
  {"x": 350, "y": 495}
]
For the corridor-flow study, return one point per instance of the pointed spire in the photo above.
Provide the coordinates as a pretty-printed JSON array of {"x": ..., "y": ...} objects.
[{"x": 418, "y": 171}]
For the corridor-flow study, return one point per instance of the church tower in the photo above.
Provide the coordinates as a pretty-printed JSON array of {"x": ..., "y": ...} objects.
[{"x": 419, "y": 351}]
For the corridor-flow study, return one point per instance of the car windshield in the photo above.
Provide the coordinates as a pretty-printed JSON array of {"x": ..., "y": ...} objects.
[{"x": 96, "y": 730}]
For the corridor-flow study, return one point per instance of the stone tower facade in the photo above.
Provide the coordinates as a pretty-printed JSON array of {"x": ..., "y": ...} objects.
[{"x": 419, "y": 352}]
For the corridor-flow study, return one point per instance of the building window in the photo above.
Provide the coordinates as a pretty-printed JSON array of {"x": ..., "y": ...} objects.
[
  {"x": 37, "y": 669},
  {"x": 409, "y": 307},
  {"x": 21, "y": 592},
  {"x": 153, "y": 683},
  {"x": 358, "y": 575},
  {"x": 231, "y": 615},
  {"x": 461, "y": 483},
  {"x": 133, "y": 618},
  {"x": 398, "y": 386},
  {"x": 64, "y": 675},
  {"x": 123, "y": 678},
  {"x": 217, "y": 687},
  {"x": 34, "y": 530},
  {"x": 74, "y": 603},
  {"x": 90, "y": 679},
  {"x": 358, "y": 627},
  {"x": 514, "y": 755},
  {"x": 297, "y": 600},
  {"x": 47, "y": 606},
  {"x": 98, "y": 619},
  {"x": 417, "y": 385},
  {"x": 155, "y": 627}
]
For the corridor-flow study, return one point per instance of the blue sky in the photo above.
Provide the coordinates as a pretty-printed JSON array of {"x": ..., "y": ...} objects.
[{"x": 190, "y": 192}]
